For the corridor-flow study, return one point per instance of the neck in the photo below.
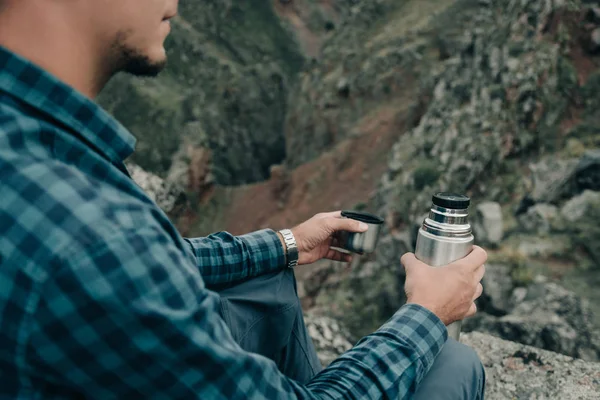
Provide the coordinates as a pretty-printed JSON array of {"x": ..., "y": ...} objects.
[{"x": 39, "y": 32}]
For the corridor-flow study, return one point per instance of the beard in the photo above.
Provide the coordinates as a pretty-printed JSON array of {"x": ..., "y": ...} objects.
[
  {"x": 134, "y": 61},
  {"x": 139, "y": 64}
]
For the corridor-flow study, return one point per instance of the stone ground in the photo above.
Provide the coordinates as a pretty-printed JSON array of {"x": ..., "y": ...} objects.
[{"x": 515, "y": 371}]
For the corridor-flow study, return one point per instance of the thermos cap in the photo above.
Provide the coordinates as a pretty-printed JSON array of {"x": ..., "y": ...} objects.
[
  {"x": 363, "y": 217},
  {"x": 453, "y": 201}
]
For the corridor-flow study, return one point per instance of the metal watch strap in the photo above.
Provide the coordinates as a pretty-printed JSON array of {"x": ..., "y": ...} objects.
[{"x": 291, "y": 247}]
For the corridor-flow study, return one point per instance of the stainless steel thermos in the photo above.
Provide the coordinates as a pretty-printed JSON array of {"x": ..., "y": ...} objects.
[{"x": 446, "y": 236}]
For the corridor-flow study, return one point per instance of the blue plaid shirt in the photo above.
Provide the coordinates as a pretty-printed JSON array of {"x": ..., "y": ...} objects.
[{"x": 100, "y": 297}]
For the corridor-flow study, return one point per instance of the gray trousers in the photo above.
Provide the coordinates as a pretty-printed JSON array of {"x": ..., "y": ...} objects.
[{"x": 265, "y": 317}]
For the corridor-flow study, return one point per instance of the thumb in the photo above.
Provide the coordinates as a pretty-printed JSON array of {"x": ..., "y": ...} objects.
[
  {"x": 346, "y": 224},
  {"x": 410, "y": 262}
]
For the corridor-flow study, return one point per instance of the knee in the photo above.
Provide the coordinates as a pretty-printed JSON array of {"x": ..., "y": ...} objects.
[
  {"x": 457, "y": 373},
  {"x": 464, "y": 361}
]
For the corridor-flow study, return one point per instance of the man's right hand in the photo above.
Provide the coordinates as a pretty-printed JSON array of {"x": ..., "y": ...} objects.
[{"x": 449, "y": 291}]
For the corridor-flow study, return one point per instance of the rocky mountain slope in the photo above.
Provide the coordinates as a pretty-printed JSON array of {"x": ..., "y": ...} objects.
[
  {"x": 506, "y": 116},
  {"x": 377, "y": 105},
  {"x": 222, "y": 100},
  {"x": 514, "y": 371}
]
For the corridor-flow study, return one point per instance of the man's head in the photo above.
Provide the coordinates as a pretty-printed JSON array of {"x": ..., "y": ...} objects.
[
  {"x": 123, "y": 35},
  {"x": 134, "y": 30},
  {"x": 85, "y": 42}
]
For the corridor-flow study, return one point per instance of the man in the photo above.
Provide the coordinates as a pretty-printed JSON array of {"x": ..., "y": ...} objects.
[{"x": 100, "y": 297}]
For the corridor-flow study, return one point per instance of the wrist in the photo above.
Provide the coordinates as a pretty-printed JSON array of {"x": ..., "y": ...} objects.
[
  {"x": 283, "y": 246},
  {"x": 290, "y": 246},
  {"x": 429, "y": 307}
]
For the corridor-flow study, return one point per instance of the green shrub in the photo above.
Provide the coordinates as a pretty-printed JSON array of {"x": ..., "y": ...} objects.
[{"x": 426, "y": 173}]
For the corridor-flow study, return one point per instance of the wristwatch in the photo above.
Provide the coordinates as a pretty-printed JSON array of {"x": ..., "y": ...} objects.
[{"x": 291, "y": 248}]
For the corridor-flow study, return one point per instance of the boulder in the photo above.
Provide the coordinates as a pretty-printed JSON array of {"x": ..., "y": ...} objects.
[
  {"x": 582, "y": 214},
  {"x": 556, "y": 179},
  {"x": 515, "y": 371},
  {"x": 595, "y": 40},
  {"x": 330, "y": 338},
  {"x": 548, "y": 317},
  {"x": 498, "y": 286},
  {"x": 487, "y": 223},
  {"x": 539, "y": 218},
  {"x": 579, "y": 207},
  {"x": 320, "y": 276},
  {"x": 587, "y": 173},
  {"x": 553, "y": 179},
  {"x": 543, "y": 246},
  {"x": 163, "y": 193},
  {"x": 593, "y": 15}
]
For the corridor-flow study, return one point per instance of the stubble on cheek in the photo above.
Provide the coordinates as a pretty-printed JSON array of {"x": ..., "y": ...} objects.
[{"x": 128, "y": 58}]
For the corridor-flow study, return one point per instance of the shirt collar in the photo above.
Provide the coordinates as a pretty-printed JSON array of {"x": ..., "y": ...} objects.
[{"x": 56, "y": 100}]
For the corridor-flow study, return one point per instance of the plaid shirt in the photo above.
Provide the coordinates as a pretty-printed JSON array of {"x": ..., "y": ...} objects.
[{"x": 100, "y": 297}]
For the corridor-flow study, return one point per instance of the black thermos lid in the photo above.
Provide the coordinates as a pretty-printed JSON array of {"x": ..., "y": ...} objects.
[
  {"x": 451, "y": 200},
  {"x": 363, "y": 216}
]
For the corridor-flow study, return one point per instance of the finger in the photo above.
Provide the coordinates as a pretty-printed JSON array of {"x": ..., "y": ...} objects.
[
  {"x": 346, "y": 224},
  {"x": 331, "y": 214},
  {"x": 335, "y": 255},
  {"x": 479, "y": 273},
  {"x": 472, "y": 311},
  {"x": 336, "y": 239},
  {"x": 410, "y": 262},
  {"x": 478, "y": 292},
  {"x": 475, "y": 259}
]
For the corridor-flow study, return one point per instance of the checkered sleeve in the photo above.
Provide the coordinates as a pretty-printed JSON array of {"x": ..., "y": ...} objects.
[
  {"x": 223, "y": 258},
  {"x": 391, "y": 361},
  {"x": 129, "y": 317}
]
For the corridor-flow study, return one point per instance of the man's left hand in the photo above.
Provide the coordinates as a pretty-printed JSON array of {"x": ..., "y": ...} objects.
[{"x": 316, "y": 236}]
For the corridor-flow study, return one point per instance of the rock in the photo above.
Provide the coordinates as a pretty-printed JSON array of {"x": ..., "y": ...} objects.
[
  {"x": 539, "y": 218},
  {"x": 319, "y": 277},
  {"x": 343, "y": 87},
  {"x": 512, "y": 370},
  {"x": 582, "y": 214},
  {"x": 280, "y": 182},
  {"x": 487, "y": 223},
  {"x": 498, "y": 286},
  {"x": 556, "y": 179},
  {"x": 544, "y": 246},
  {"x": 200, "y": 176},
  {"x": 553, "y": 179},
  {"x": 331, "y": 339},
  {"x": 578, "y": 207},
  {"x": 549, "y": 317},
  {"x": 595, "y": 40},
  {"x": 593, "y": 15},
  {"x": 587, "y": 173},
  {"x": 515, "y": 371},
  {"x": 160, "y": 191}
]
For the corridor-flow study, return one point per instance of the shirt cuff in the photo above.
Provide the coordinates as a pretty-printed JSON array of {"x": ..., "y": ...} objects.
[
  {"x": 266, "y": 250},
  {"x": 422, "y": 330}
]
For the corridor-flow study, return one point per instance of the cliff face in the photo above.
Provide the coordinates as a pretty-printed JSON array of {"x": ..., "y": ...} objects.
[
  {"x": 225, "y": 90},
  {"x": 502, "y": 106}
]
